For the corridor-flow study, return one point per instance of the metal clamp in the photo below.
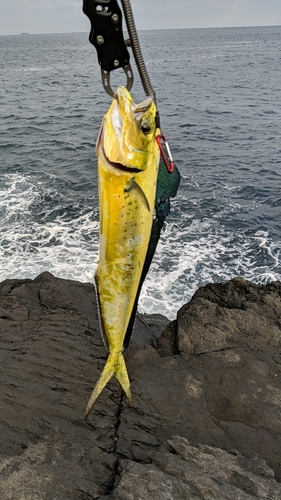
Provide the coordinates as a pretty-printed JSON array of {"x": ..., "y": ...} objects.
[{"x": 107, "y": 37}]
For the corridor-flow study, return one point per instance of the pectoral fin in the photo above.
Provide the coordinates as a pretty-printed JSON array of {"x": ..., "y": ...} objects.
[{"x": 134, "y": 185}]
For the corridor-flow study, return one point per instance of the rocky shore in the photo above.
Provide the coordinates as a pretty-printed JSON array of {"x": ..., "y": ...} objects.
[{"x": 206, "y": 417}]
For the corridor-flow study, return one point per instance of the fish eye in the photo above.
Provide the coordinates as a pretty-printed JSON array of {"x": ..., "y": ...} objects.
[{"x": 146, "y": 128}]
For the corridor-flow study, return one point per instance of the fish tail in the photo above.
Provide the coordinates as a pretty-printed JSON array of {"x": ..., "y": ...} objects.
[
  {"x": 115, "y": 365},
  {"x": 122, "y": 376}
]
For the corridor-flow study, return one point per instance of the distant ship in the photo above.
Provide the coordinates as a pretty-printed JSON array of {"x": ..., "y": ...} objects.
[{"x": 24, "y": 33}]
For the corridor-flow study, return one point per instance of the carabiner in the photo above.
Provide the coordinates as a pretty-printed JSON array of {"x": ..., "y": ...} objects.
[{"x": 165, "y": 152}]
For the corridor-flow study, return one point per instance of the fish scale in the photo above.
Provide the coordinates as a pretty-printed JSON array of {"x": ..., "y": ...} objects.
[{"x": 124, "y": 233}]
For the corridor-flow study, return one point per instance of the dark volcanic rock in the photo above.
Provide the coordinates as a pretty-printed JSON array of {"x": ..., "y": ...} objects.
[
  {"x": 205, "y": 421},
  {"x": 180, "y": 469}
]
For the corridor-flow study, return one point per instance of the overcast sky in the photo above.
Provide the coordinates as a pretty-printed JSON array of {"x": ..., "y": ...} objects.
[{"x": 64, "y": 16}]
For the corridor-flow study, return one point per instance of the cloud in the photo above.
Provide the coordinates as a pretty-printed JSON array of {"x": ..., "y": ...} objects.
[
  {"x": 47, "y": 16},
  {"x": 42, "y": 16},
  {"x": 206, "y": 13}
]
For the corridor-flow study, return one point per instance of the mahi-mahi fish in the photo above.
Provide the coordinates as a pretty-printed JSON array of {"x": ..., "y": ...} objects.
[{"x": 128, "y": 162}]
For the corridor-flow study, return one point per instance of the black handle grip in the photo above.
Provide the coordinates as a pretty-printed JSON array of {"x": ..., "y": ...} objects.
[{"x": 106, "y": 33}]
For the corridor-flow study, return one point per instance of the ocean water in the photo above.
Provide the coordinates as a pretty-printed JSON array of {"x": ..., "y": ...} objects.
[{"x": 219, "y": 94}]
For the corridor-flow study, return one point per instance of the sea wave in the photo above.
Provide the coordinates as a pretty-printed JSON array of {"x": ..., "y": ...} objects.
[{"x": 218, "y": 96}]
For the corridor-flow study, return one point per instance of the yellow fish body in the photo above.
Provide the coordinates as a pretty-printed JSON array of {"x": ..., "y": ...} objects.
[{"x": 128, "y": 159}]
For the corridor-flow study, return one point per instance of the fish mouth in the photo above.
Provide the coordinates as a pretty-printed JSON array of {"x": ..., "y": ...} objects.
[{"x": 119, "y": 166}]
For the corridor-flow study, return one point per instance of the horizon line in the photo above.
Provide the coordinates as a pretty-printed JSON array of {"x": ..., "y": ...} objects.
[{"x": 25, "y": 33}]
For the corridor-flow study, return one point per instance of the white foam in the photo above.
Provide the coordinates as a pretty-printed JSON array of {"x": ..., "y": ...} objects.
[
  {"x": 36, "y": 69},
  {"x": 201, "y": 253},
  {"x": 272, "y": 249},
  {"x": 28, "y": 248},
  {"x": 191, "y": 252}
]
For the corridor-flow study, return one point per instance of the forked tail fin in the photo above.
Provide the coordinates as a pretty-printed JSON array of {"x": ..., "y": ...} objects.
[{"x": 115, "y": 365}]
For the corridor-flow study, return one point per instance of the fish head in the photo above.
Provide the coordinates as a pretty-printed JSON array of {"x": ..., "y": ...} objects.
[{"x": 128, "y": 130}]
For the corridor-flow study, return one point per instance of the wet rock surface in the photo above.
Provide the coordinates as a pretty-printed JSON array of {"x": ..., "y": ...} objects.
[{"x": 205, "y": 422}]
